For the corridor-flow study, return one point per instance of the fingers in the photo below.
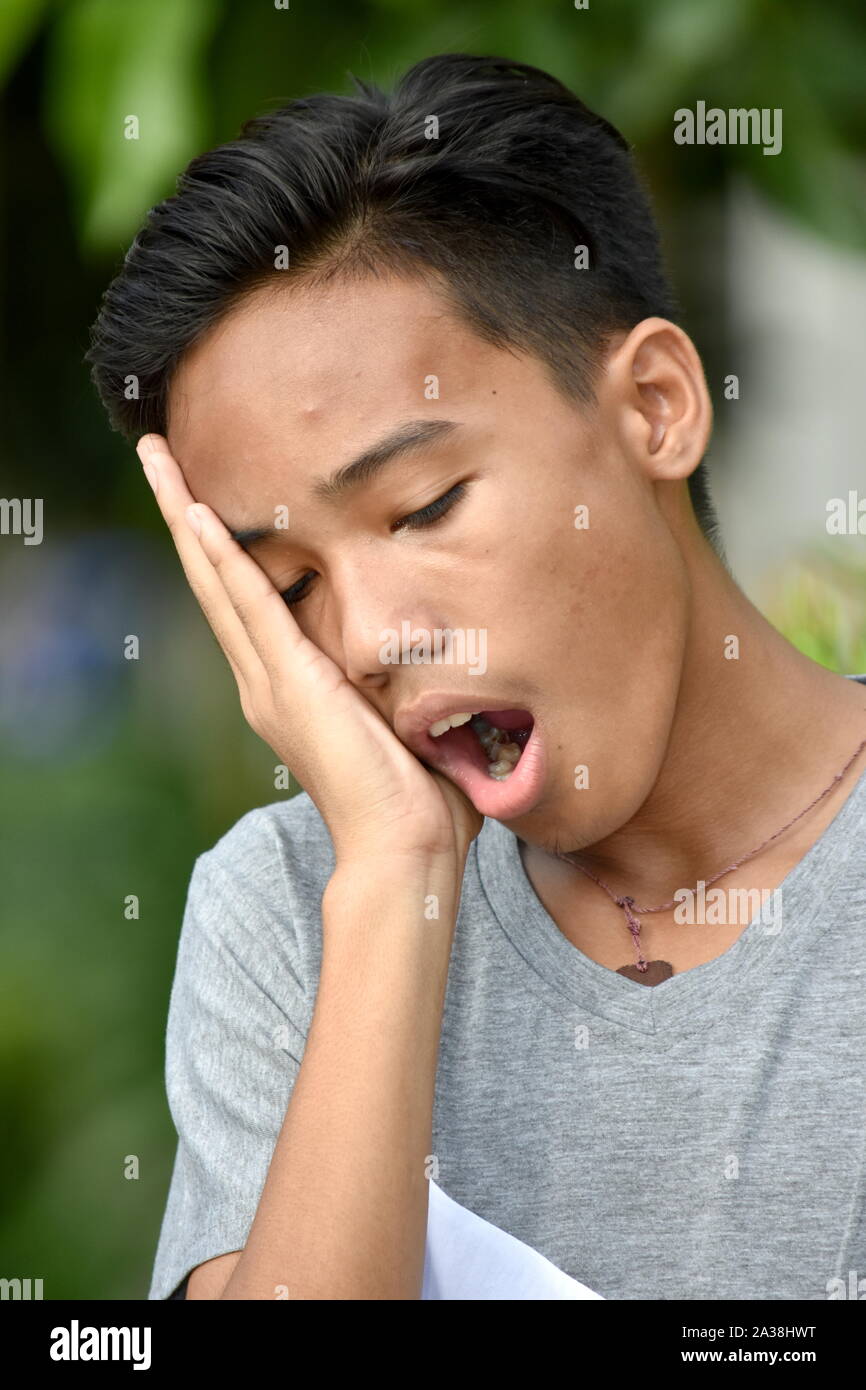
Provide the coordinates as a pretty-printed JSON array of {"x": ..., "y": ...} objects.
[
  {"x": 238, "y": 597},
  {"x": 173, "y": 497},
  {"x": 257, "y": 604}
]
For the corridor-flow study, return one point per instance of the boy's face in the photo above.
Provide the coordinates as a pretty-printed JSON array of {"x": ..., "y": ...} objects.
[{"x": 583, "y": 627}]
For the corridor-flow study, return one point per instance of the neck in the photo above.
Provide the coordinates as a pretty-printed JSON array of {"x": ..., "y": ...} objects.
[{"x": 753, "y": 741}]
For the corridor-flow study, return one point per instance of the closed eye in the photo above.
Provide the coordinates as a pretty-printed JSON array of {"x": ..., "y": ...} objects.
[
  {"x": 297, "y": 592},
  {"x": 415, "y": 521}
]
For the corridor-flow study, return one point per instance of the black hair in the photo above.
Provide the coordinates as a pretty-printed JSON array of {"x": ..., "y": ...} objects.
[{"x": 486, "y": 173}]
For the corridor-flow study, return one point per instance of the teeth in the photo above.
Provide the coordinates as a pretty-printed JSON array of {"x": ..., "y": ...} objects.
[
  {"x": 510, "y": 753},
  {"x": 453, "y": 721},
  {"x": 502, "y": 753}
]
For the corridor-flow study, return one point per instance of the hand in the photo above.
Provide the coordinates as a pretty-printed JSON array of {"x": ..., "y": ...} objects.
[{"x": 375, "y": 796}]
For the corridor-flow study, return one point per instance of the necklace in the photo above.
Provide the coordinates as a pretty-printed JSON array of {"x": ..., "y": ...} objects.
[{"x": 653, "y": 972}]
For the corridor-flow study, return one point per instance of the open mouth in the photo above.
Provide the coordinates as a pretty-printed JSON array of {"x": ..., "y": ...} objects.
[
  {"x": 492, "y": 740},
  {"x": 495, "y": 755}
]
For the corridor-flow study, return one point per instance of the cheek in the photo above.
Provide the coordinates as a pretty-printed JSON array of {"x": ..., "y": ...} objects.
[{"x": 605, "y": 615}]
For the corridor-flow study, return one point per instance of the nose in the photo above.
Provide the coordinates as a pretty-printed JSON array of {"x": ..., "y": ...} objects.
[
  {"x": 377, "y": 610},
  {"x": 362, "y": 634},
  {"x": 366, "y": 608}
]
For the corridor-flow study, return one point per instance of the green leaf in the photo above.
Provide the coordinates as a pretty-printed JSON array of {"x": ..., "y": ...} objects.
[
  {"x": 19, "y": 20},
  {"x": 125, "y": 105}
]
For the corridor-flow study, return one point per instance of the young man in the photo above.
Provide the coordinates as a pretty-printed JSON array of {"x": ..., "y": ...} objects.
[{"x": 417, "y": 358}]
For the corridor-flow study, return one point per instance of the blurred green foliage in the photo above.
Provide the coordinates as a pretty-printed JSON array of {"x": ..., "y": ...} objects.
[
  {"x": 184, "y": 70},
  {"x": 819, "y": 603},
  {"x": 85, "y": 991},
  {"x": 107, "y": 62}
]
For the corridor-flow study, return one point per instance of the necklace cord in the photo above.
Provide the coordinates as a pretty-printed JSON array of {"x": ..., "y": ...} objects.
[{"x": 627, "y": 903}]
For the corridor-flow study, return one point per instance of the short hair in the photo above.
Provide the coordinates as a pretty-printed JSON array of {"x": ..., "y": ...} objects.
[{"x": 483, "y": 173}]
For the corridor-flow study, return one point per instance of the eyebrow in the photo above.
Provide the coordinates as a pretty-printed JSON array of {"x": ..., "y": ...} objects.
[{"x": 407, "y": 438}]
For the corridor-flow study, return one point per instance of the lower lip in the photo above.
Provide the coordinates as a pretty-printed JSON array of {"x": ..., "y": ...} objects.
[{"x": 501, "y": 800}]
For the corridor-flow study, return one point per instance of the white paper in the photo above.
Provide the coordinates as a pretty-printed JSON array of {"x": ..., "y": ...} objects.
[{"x": 469, "y": 1258}]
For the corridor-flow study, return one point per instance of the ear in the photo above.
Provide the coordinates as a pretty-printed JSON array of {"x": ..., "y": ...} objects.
[{"x": 655, "y": 384}]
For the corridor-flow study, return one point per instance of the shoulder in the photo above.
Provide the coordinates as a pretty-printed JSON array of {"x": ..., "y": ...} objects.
[
  {"x": 279, "y": 853},
  {"x": 256, "y": 894},
  {"x": 293, "y": 827}
]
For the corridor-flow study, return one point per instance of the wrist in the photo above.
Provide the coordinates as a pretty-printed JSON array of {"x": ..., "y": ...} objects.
[
  {"x": 385, "y": 875},
  {"x": 418, "y": 890},
  {"x": 366, "y": 864}
]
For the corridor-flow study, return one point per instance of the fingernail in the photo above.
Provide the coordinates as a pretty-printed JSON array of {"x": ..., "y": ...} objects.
[
  {"x": 145, "y": 445},
  {"x": 151, "y": 474},
  {"x": 193, "y": 516}
]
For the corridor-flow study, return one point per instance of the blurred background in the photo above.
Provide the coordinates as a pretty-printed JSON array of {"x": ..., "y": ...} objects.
[{"x": 117, "y": 773}]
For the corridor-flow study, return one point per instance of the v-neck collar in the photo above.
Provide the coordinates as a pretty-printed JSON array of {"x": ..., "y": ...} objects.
[{"x": 694, "y": 998}]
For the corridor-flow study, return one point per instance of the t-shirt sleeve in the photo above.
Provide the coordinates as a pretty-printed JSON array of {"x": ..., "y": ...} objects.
[{"x": 238, "y": 1017}]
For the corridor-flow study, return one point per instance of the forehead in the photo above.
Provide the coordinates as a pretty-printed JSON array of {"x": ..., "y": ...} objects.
[{"x": 303, "y": 377}]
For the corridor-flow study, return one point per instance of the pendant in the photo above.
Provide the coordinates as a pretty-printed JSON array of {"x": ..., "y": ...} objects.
[{"x": 656, "y": 972}]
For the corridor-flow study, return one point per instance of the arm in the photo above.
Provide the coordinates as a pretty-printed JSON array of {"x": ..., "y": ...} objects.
[{"x": 343, "y": 1213}]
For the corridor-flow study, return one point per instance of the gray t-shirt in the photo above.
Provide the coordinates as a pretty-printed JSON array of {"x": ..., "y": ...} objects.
[{"x": 703, "y": 1139}]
